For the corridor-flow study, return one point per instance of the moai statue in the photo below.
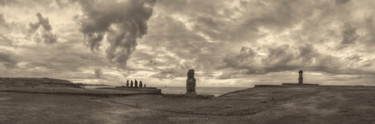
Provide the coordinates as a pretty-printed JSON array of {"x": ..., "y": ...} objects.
[
  {"x": 136, "y": 84},
  {"x": 131, "y": 83},
  {"x": 127, "y": 83},
  {"x": 190, "y": 83},
  {"x": 144, "y": 85},
  {"x": 300, "y": 78},
  {"x": 140, "y": 84}
]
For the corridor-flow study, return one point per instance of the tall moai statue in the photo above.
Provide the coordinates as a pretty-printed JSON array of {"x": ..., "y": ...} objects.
[
  {"x": 127, "y": 83},
  {"x": 140, "y": 84},
  {"x": 131, "y": 83},
  {"x": 144, "y": 85},
  {"x": 300, "y": 78},
  {"x": 136, "y": 83},
  {"x": 190, "y": 83}
]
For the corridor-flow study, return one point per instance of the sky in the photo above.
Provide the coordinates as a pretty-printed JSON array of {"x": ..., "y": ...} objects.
[{"x": 229, "y": 43}]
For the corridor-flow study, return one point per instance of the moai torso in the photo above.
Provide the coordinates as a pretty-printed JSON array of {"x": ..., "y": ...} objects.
[
  {"x": 135, "y": 83},
  {"x": 140, "y": 84},
  {"x": 190, "y": 83},
  {"x": 300, "y": 78},
  {"x": 127, "y": 83},
  {"x": 131, "y": 83}
]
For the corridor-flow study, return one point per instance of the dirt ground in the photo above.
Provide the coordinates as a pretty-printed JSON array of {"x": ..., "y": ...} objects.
[{"x": 278, "y": 105}]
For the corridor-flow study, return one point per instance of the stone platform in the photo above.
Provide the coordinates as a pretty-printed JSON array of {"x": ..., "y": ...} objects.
[
  {"x": 198, "y": 96},
  {"x": 265, "y": 85},
  {"x": 287, "y": 85},
  {"x": 82, "y": 91},
  {"x": 296, "y": 84}
]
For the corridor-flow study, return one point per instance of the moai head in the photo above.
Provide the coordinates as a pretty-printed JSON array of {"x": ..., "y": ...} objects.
[
  {"x": 300, "y": 78},
  {"x": 190, "y": 73},
  {"x": 135, "y": 83}
]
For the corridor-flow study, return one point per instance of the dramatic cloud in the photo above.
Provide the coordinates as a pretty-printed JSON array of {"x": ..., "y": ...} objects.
[
  {"x": 233, "y": 39},
  {"x": 121, "y": 22},
  {"x": 47, "y": 35},
  {"x": 228, "y": 43},
  {"x": 285, "y": 58}
]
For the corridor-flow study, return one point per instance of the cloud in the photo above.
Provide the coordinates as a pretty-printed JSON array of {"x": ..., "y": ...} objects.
[
  {"x": 349, "y": 34},
  {"x": 47, "y": 35},
  {"x": 98, "y": 73},
  {"x": 7, "y": 59},
  {"x": 5, "y": 41},
  {"x": 6, "y": 2},
  {"x": 3, "y": 23},
  {"x": 64, "y": 3},
  {"x": 170, "y": 73},
  {"x": 286, "y": 58},
  {"x": 121, "y": 22},
  {"x": 255, "y": 37},
  {"x": 341, "y": 1},
  {"x": 22, "y": 3}
]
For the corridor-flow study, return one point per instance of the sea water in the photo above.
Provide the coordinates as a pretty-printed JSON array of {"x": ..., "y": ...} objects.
[{"x": 216, "y": 91}]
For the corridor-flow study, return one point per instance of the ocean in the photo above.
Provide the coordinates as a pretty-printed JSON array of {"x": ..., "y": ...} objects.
[{"x": 216, "y": 91}]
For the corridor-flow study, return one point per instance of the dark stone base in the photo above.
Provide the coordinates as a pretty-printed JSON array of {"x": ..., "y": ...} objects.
[
  {"x": 191, "y": 93},
  {"x": 262, "y": 85},
  {"x": 287, "y": 85},
  {"x": 296, "y": 84},
  {"x": 148, "y": 89},
  {"x": 122, "y": 87},
  {"x": 188, "y": 96}
]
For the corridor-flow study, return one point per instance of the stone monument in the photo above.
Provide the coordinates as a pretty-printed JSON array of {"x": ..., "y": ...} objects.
[
  {"x": 136, "y": 83},
  {"x": 190, "y": 83},
  {"x": 300, "y": 78},
  {"x": 131, "y": 83},
  {"x": 127, "y": 83},
  {"x": 140, "y": 84}
]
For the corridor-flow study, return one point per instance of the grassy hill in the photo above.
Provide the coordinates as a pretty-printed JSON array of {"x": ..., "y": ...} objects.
[
  {"x": 271, "y": 105},
  {"x": 36, "y": 82}
]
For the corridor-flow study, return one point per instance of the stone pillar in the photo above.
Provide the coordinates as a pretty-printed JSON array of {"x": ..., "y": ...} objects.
[
  {"x": 190, "y": 83},
  {"x": 131, "y": 83},
  {"x": 136, "y": 84},
  {"x": 300, "y": 78},
  {"x": 127, "y": 83},
  {"x": 140, "y": 84}
]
